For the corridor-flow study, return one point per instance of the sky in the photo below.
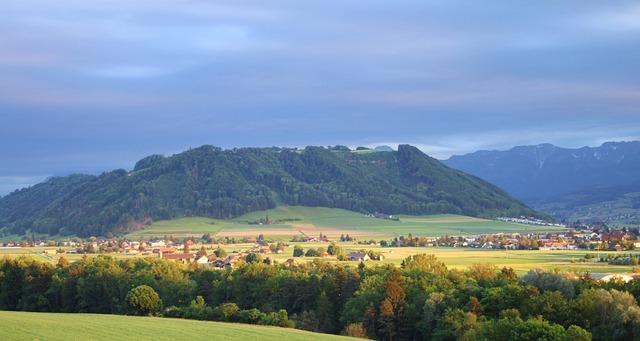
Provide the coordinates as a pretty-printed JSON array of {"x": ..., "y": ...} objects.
[{"x": 91, "y": 86}]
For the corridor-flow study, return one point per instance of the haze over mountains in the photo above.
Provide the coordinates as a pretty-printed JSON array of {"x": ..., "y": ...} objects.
[
  {"x": 593, "y": 183},
  {"x": 209, "y": 181}
]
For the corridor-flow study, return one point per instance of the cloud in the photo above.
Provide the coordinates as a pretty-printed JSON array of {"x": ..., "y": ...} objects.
[
  {"x": 120, "y": 79},
  {"x": 625, "y": 18},
  {"x": 129, "y": 71}
]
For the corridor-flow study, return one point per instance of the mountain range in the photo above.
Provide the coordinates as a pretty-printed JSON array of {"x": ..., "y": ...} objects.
[
  {"x": 590, "y": 183},
  {"x": 209, "y": 181}
]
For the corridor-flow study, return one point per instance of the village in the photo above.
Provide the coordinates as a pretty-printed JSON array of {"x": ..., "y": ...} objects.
[{"x": 215, "y": 252}]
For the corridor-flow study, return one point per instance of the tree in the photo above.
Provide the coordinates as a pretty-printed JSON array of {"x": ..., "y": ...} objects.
[
  {"x": 454, "y": 324},
  {"x": 483, "y": 273},
  {"x": 253, "y": 258},
  {"x": 609, "y": 314},
  {"x": 143, "y": 300},
  {"x": 206, "y": 238},
  {"x": 423, "y": 262},
  {"x": 392, "y": 307},
  {"x": 475, "y": 306},
  {"x": 549, "y": 281},
  {"x": 355, "y": 330},
  {"x": 433, "y": 309},
  {"x": 298, "y": 251},
  {"x": 334, "y": 250},
  {"x": 62, "y": 262},
  {"x": 220, "y": 252},
  {"x": 202, "y": 252},
  {"x": 326, "y": 314}
]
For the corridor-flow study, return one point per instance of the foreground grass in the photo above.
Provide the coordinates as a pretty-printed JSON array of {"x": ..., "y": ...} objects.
[
  {"x": 59, "y": 326},
  {"x": 333, "y": 222}
]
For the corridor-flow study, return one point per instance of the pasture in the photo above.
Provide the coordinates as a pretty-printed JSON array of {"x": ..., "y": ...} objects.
[
  {"x": 454, "y": 258},
  {"x": 288, "y": 221},
  {"x": 61, "y": 326},
  {"x": 461, "y": 258}
]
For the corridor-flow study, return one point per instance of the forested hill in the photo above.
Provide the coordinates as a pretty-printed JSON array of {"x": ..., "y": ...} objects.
[{"x": 209, "y": 181}]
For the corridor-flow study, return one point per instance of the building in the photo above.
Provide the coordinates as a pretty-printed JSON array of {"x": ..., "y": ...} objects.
[
  {"x": 202, "y": 260},
  {"x": 358, "y": 256},
  {"x": 179, "y": 257},
  {"x": 609, "y": 277}
]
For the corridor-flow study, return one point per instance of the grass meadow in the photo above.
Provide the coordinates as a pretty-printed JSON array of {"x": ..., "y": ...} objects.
[
  {"x": 59, "y": 326},
  {"x": 294, "y": 220}
]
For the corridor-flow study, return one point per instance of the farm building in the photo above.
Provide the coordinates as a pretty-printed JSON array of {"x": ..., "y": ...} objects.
[
  {"x": 180, "y": 257},
  {"x": 609, "y": 277},
  {"x": 358, "y": 256}
]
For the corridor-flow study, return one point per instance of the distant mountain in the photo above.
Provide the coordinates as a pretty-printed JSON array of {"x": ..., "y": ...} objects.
[
  {"x": 560, "y": 180},
  {"x": 209, "y": 181},
  {"x": 618, "y": 205}
]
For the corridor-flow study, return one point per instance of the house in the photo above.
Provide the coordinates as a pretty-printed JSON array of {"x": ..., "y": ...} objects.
[
  {"x": 608, "y": 277},
  {"x": 179, "y": 257},
  {"x": 202, "y": 260},
  {"x": 164, "y": 250},
  {"x": 264, "y": 249},
  {"x": 231, "y": 260},
  {"x": 224, "y": 263},
  {"x": 358, "y": 256},
  {"x": 157, "y": 243}
]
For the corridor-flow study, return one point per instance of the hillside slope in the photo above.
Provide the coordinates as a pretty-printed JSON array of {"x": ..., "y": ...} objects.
[
  {"x": 208, "y": 181},
  {"x": 60, "y": 326}
]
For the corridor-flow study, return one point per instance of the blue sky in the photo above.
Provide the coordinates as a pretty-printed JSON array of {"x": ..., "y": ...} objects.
[{"x": 88, "y": 86}]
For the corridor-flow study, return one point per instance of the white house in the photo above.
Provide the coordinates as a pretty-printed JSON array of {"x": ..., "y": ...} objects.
[{"x": 609, "y": 277}]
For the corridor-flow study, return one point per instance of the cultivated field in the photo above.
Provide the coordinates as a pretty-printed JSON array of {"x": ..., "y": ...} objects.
[
  {"x": 59, "y": 326},
  {"x": 461, "y": 258},
  {"x": 455, "y": 258},
  {"x": 294, "y": 220}
]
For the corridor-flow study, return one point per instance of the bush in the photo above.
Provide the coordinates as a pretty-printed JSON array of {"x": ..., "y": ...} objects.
[
  {"x": 143, "y": 300},
  {"x": 355, "y": 330},
  {"x": 312, "y": 253},
  {"x": 298, "y": 251}
]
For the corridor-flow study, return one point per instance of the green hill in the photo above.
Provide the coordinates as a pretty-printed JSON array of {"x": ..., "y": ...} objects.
[
  {"x": 59, "y": 326},
  {"x": 223, "y": 184}
]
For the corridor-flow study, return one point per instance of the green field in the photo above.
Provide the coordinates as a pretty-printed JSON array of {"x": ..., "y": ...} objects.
[
  {"x": 59, "y": 326},
  {"x": 461, "y": 258},
  {"x": 293, "y": 220},
  {"x": 454, "y": 258}
]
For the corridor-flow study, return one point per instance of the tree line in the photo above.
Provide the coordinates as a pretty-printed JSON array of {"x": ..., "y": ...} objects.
[{"x": 420, "y": 300}]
